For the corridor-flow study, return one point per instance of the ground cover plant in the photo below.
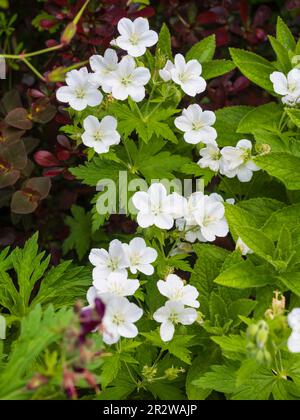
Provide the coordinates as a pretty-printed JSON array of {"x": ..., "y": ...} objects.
[{"x": 149, "y": 175}]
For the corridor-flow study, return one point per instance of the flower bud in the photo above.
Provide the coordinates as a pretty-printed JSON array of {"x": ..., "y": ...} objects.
[
  {"x": 56, "y": 75},
  {"x": 69, "y": 33},
  {"x": 173, "y": 372}
]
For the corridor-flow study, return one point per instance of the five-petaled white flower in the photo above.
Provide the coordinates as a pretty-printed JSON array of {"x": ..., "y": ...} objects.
[
  {"x": 104, "y": 67},
  {"x": 107, "y": 262},
  {"x": 156, "y": 207},
  {"x": 140, "y": 256},
  {"x": 174, "y": 289},
  {"x": 238, "y": 161},
  {"x": 120, "y": 316},
  {"x": 116, "y": 284},
  {"x": 171, "y": 314},
  {"x": 287, "y": 86},
  {"x": 100, "y": 135},
  {"x": 242, "y": 247},
  {"x": 80, "y": 91},
  {"x": 205, "y": 218},
  {"x": 128, "y": 80},
  {"x": 185, "y": 74},
  {"x": 210, "y": 158},
  {"x": 294, "y": 323},
  {"x": 135, "y": 36},
  {"x": 196, "y": 124}
]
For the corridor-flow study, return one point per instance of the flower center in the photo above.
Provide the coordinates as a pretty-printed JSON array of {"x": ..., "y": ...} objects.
[
  {"x": 127, "y": 80},
  {"x": 113, "y": 264},
  {"x": 135, "y": 259},
  {"x": 173, "y": 318},
  {"x": 118, "y": 319},
  {"x": 292, "y": 87},
  {"x": 198, "y": 125},
  {"x": 80, "y": 93},
  {"x": 184, "y": 77},
  {"x": 134, "y": 39},
  {"x": 98, "y": 136}
]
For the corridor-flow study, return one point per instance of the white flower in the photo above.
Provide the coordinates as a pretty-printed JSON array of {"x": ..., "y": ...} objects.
[
  {"x": 116, "y": 284},
  {"x": 237, "y": 161},
  {"x": 210, "y": 158},
  {"x": 157, "y": 208},
  {"x": 135, "y": 37},
  {"x": 185, "y": 74},
  {"x": 294, "y": 323},
  {"x": 100, "y": 135},
  {"x": 174, "y": 289},
  {"x": 80, "y": 91},
  {"x": 118, "y": 321},
  {"x": 140, "y": 256},
  {"x": 242, "y": 247},
  {"x": 104, "y": 67},
  {"x": 171, "y": 314},
  {"x": 113, "y": 261},
  {"x": 205, "y": 219},
  {"x": 196, "y": 124},
  {"x": 128, "y": 80},
  {"x": 287, "y": 86},
  {"x": 165, "y": 73}
]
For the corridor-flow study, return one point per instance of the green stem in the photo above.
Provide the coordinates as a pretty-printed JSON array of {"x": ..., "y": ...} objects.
[
  {"x": 34, "y": 70},
  {"x": 80, "y": 13},
  {"x": 159, "y": 104}
]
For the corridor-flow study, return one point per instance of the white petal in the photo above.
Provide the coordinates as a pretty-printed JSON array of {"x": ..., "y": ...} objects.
[
  {"x": 280, "y": 83},
  {"x": 98, "y": 257},
  {"x": 294, "y": 342},
  {"x": 128, "y": 330},
  {"x": 167, "y": 330},
  {"x": 141, "y": 201},
  {"x": 188, "y": 316},
  {"x": 125, "y": 27}
]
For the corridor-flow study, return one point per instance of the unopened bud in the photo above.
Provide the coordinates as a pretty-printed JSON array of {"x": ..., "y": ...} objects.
[
  {"x": 57, "y": 75},
  {"x": 172, "y": 373},
  {"x": 262, "y": 334},
  {"x": 69, "y": 33}
]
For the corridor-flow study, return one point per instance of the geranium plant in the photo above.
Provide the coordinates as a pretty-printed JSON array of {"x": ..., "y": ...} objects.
[{"x": 201, "y": 300}]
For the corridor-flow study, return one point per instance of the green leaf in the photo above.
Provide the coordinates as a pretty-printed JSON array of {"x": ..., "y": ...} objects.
[
  {"x": 283, "y": 166},
  {"x": 284, "y": 247},
  {"x": 38, "y": 331},
  {"x": 294, "y": 115},
  {"x": 264, "y": 116},
  {"x": 260, "y": 208},
  {"x": 203, "y": 51},
  {"x": 257, "y": 241},
  {"x": 233, "y": 346},
  {"x": 207, "y": 268},
  {"x": 164, "y": 391},
  {"x": 110, "y": 369},
  {"x": 288, "y": 217},
  {"x": 80, "y": 232},
  {"x": 291, "y": 281},
  {"x": 282, "y": 55},
  {"x": 245, "y": 276},
  {"x": 160, "y": 166},
  {"x": 178, "y": 346},
  {"x": 228, "y": 120},
  {"x": 221, "y": 379},
  {"x": 164, "y": 47},
  {"x": 254, "y": 67},
  {"x": 93, "y": 172},
  {"x": 216, "y": 68},
  {"x": 284, "y": 35}
]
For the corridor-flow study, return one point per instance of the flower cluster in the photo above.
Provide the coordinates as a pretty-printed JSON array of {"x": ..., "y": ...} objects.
[
  {"x": 294, "y": 323},
  {"x": 175, "y": 311},
  {"x": 112, "y": 285},
  {"x": 287, "y": 86},
  {"x": 230, "y": 161}
]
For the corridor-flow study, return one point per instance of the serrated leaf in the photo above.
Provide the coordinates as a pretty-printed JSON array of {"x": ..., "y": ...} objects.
[
  {"x": 216, "y": 68},
  {"x": 284, "y": 35},
  {"x": 80, "y": 232},
  {"x": 255, "y": 68},
  {"x": 227, "y": 123},
  {"x": 265, "y": 116},
  {"x": 203, "y": 51},
  {"x": 283, "y": 166}
]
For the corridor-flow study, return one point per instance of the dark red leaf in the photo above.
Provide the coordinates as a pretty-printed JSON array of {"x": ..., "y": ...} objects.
[
  {"x": 45, "y": 159},
  {"x": 19, "y": 118}
]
